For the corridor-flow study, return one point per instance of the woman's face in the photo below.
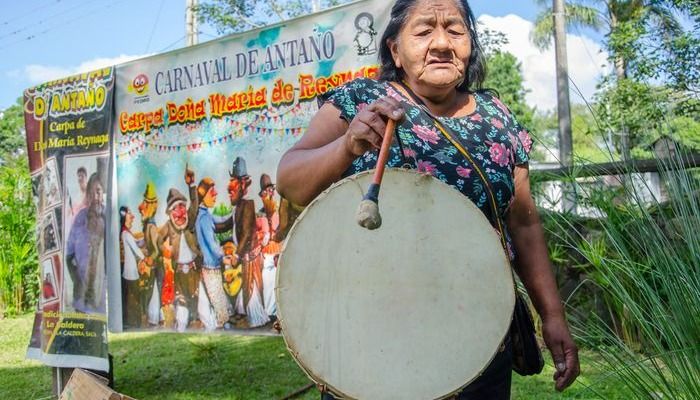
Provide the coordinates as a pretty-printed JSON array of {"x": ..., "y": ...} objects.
[
  {"x": 128, "y": 219},
  {"x": 433, "y": 46}
]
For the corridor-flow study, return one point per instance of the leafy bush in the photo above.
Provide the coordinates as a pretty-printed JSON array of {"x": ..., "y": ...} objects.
[{"x": 19, "y": 274}]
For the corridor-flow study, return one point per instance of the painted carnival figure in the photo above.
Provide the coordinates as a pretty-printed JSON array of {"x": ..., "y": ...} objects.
[
  {"x": 268, "y": 224},
  {"x": 249, "y": 300},
  {"x": 184, "y": 248},
  {"x": 212, "y": 253},
  {"x": 150, "y": 275},
  {"x": 132, "y": 257}
]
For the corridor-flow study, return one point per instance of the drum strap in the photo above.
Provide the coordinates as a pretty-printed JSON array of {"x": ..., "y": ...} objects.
[
  {"x": 496, "y": 217},
  {"x": 527, "y": 356}
]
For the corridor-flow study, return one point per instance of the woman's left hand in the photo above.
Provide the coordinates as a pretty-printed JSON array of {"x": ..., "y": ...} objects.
[{"x": 564, "y": 351}]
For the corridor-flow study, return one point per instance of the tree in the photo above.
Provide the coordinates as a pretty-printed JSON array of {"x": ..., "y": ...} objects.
[
  {"x": 611, "y": 16},
  {"x": 19, "y": 279},
  {"x": 657, "y": 63},
  {"x": 506, "y": 77},
  {"x": 19, "y": 274},
  {"x": 230, "y": 16},
  {"x": 12, "y": 139}
]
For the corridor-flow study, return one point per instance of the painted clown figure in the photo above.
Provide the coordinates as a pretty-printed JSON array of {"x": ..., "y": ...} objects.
[{"x": 179, "y": 233}]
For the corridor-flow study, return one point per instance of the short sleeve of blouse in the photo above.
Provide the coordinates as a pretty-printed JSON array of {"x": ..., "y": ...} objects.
[
  {"x": 347, "y": 97},
  {"x": 519, "y": 137},
  {"x": 523, "y": 144}
]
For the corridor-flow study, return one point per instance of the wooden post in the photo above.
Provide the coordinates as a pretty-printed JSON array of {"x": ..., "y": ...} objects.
[{"x": 191, "y": 23}]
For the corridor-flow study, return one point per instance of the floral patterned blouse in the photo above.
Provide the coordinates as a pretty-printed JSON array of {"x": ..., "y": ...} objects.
[{"x": 491, "y": 134}]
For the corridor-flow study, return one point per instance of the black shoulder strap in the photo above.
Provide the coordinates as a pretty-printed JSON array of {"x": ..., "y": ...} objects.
[{"x": 448, "y": 135}]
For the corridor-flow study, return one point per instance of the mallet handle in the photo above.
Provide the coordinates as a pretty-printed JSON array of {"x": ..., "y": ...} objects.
[{"x": 384, "y": 151}]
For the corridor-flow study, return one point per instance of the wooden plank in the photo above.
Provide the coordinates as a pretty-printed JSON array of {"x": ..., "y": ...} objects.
[{"x": 616, "y": 168}]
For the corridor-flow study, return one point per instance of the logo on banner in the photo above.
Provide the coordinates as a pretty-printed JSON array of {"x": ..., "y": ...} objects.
[
  {"x": 139, "y": 86},
  {"x": 365, "y": 38}
]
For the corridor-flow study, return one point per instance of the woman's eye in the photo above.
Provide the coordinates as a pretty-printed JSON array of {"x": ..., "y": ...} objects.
[{"x": 423, "y": 32}]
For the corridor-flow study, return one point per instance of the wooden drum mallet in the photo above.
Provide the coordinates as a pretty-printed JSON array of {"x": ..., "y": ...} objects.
[{"x": 368, "y": 215}]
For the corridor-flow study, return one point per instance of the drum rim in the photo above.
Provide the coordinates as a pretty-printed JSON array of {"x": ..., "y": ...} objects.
[{"x": 280, "y": 315}]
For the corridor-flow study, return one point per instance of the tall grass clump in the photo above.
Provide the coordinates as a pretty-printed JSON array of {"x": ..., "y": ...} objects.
[
  {"x": 19, "y": 273},
  {"x": 644, "y": 255}
]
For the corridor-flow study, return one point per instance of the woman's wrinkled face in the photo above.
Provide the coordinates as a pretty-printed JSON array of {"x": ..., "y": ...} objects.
[{"x": 433, "y": 46}]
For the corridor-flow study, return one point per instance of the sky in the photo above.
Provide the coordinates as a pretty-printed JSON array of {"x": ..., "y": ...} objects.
[{"x": 42, "y": 40}]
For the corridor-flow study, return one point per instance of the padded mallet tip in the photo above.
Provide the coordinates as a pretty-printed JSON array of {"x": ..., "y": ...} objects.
[{"x": 368, "y": 215}]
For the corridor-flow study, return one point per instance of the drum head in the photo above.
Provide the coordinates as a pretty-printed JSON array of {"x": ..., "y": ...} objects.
[{"x": 413, "y": 310}]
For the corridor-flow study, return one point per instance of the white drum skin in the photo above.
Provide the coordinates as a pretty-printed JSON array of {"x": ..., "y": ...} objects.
[{"x": 413, "y": 310}]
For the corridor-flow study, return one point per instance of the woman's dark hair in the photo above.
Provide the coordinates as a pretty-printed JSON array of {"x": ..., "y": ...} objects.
[{"x": 476, "y": 70}]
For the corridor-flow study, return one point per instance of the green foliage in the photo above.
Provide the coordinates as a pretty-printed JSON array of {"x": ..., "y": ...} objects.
[
  {"x": 657, "y": 66},
  {"x": 638, "y": 107},
  {"x": 643, "y": 256},
  {"x": 230, "y": 16},
  {"x": 590, "y": 142},
  {"x": 222, "y": 209},
  {"x": 505, "y": 76},
  {"x": 12, "y": 130},
  {"x": 174, "y": 366},
  {"x": 19, "y": 274},
  {"x": 687, "y": 131}
]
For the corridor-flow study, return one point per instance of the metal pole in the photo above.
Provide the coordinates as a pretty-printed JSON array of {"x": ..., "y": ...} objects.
[
  {"x": 564, "y": 106},
  {"x": 191, "y": 23},
  {"x": 315, "y": 5}
]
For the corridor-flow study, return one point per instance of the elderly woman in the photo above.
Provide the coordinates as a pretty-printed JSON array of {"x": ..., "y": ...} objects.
[{"x": 432, "y": 67}]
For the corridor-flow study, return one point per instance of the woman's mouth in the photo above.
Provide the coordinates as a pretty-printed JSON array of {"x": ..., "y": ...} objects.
[{"x": 439, "y": 62}]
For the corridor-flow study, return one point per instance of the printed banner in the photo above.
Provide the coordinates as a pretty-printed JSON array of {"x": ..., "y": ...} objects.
[
  {"x": 198, "y": 136},
  {"x": 68, "y": 125}
]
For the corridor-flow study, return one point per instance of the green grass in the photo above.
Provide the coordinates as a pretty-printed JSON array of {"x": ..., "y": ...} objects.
[{"x": 178, "y": 367}]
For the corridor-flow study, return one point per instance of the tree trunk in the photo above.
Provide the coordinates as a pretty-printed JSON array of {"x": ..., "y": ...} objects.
[{"x": 620, "y": 62}]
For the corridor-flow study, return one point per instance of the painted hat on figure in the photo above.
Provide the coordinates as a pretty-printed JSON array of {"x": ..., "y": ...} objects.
[
  {"x": 204, "y": 185},
  {"x": 149, "y": 194},
  {"x": 239, "y": 168},
  {"x": 175, "y": 197},
  {"x": 265, "y": 182}
]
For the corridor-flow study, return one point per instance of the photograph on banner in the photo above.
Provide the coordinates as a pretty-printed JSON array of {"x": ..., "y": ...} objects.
[
  {"x": 49, "y": 242},
  {"x": 84, "y": 229},
  {"x": 52, "y": 186},
  {"x": 198, "y": 136},
  {"x": 68, "y": 124},
  {"x": 49, "y": 284}
]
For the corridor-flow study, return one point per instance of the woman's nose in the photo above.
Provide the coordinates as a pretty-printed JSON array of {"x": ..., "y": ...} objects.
[{"x": 440, "y": 40}]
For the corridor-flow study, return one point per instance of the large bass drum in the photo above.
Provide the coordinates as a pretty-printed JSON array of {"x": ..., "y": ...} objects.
[{"x": 413, "y": 310}]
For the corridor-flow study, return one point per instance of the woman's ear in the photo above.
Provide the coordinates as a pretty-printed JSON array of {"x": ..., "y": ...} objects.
[{"x": 394, "y": 48}]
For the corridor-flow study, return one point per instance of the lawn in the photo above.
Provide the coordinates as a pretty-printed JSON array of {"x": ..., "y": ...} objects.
[{"x": 178, "y": 367}]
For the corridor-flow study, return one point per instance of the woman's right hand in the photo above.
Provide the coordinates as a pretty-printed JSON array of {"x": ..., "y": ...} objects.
[{"x": 366, "y": 130}]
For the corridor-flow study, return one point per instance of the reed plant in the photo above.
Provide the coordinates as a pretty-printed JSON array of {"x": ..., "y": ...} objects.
[{"x": 643, "y": 254}]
